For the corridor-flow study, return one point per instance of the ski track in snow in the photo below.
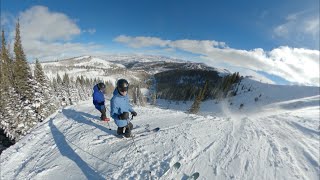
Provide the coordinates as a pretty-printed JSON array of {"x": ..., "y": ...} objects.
[{"x": 74, "y": 144}]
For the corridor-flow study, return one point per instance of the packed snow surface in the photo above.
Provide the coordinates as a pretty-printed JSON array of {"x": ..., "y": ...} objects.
[{"x": 273, "y": 136}]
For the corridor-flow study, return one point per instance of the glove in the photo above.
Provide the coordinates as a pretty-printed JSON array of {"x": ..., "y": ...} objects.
[
  {"x": 124, "y": 115},
  {"x": 134, "y": 113}
]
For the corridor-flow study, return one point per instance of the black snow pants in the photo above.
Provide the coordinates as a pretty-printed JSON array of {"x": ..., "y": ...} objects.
[{"x": 127, "y": 130}]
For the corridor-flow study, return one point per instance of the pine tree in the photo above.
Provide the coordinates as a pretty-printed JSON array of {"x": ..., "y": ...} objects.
[
  {"x": 154, "y": 98},
  {"x": 78, "y": 81},
  {"x": 45, "y": 103},
  {"x": 2, "y": 71},
  {"x": 6, "y": 63},
  {"x": 61, "y": 91},
  {"x": 1, "y": 84},
  {"x": 88, "y": 82},
  {"x": 75, "y": 91},
  {"x": 54, "y": 84},
  {"x": 39, "y": 74},
  {"x": 81, "y": 88},
  {"x": 134, "y": 95},
  {"x": 22, "y": 112},
  {"x": 66, "y": 80},
  {"x": 196, "y": 104},
  {"x": 66, "y": 89},
  {"x": 22, "y": 71},
  {"x": 82, "y": 80},
  {"x": 7, "y": 93},
  {"x": 59, "y": 80},
  {"x": 1, "y": 92}
]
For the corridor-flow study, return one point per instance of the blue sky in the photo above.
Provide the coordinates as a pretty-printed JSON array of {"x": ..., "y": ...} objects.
[{"x": 213, "y": 32}]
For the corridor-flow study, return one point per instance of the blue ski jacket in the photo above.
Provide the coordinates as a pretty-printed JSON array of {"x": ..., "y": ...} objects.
[
  {"x": 98, "y": 98},
  {"x": 119, "y": 104}
]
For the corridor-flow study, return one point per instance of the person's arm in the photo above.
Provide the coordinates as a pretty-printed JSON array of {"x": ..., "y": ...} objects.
[
  {"x": 114, "y": 109},
  {"x": 101, "y": 101}
]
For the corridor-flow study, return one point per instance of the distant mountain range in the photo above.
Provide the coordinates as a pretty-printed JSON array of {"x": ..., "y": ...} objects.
[{"x": 113, "y": 67}]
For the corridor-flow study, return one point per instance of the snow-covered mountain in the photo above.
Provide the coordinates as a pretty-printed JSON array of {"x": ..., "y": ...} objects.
[
  {"x": 264, "y": 132},
  {"x": 112, "y": 67}
]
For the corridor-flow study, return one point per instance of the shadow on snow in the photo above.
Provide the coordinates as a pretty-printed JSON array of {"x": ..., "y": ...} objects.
[
  {"x": 67, "y": 151},
  {"x": 82, "y": 117}
]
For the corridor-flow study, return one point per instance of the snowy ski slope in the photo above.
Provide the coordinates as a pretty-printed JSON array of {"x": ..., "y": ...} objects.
[{"x": 274, "y": 137}]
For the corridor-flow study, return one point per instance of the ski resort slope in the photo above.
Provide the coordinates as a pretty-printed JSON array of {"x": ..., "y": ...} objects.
[{"x": 277, "y": 140}]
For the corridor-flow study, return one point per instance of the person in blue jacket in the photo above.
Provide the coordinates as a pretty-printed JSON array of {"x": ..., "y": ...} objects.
[
  {"x": 120, "y": 108},
  {"x": 98, "y": 100}
]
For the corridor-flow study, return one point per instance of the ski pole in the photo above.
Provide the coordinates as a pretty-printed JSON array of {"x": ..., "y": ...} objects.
[
  {"x": 109, "y": 124},
  {"x": 108, "y": 119},
  {"x": 132, "y": 136}
]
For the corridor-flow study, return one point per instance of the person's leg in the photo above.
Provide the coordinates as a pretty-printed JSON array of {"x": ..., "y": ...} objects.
[
  {"x": 120, "y": 130},
  {"x": 128, "y": 130},
  {"x": 103, "y": 114},
  {"x": 130, "y": 125}
]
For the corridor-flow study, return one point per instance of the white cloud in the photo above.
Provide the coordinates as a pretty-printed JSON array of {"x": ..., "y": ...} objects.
[
  {"x": 297, "y": 65},
  {"x": 142, "y": 41},
  {"x": 5, "y": 21},
  {"x": 247, "y": 72},
  {"x": 90, "y": 31},
  {"x": 57, "y": 50},
  {"x": 139, "y": 42},
  {"x": 47, "y": 35},
  {"x": 196, "y": 45},
  {"x": 312, "y": 26},
  {"x": 38, "y": 23},
  {"x": 282, "y": 30},
  {"x": 301, "y": 28}
]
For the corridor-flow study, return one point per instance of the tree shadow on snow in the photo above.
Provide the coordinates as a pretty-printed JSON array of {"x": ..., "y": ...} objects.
[
  {"x": 68, "y": 152},
  {"x": 82, "y": 117}
]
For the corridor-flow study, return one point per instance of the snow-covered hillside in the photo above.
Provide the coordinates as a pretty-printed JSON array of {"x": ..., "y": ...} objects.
[
  {"x": 86, "y": 66},
  {"x": 274, "y": 135},
  {"x": 112, "y": 67}
]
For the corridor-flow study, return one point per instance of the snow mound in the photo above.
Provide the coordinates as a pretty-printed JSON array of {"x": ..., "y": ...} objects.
[
  {"x": 95, "y": 62},
  {"x": 81, "y": 57}
]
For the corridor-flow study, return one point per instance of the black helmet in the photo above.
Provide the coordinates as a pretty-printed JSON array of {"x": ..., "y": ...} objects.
[
  {"x": 122, "y": 85},
  {"x": 101, "y": 86}
]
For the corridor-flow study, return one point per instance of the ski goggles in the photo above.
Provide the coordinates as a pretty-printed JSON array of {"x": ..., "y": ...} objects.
[{"x": 123, "y": 89}]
